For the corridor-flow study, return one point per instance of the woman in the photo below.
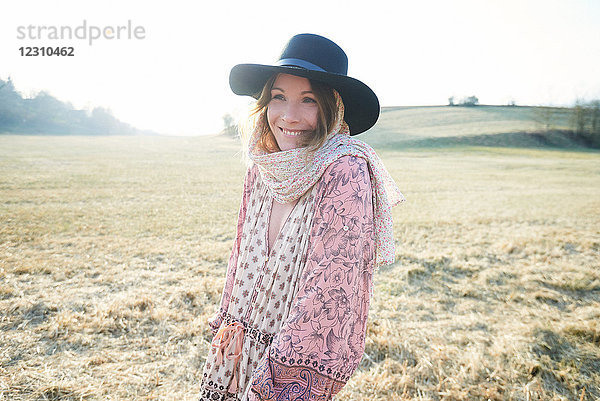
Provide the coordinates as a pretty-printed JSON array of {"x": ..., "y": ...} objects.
[{"x": 314, "y": 222}]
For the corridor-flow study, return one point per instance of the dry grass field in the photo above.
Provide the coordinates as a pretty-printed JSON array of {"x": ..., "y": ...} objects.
[{"x": 113, "y": 254}]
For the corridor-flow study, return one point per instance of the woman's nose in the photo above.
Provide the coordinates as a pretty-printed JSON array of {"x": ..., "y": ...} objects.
[{"x": 291, "y": 114}]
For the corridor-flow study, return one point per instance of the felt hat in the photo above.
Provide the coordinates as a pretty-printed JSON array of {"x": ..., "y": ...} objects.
[{"x": 319, "y": 59}]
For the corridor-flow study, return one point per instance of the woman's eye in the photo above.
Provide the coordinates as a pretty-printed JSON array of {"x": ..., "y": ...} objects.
[
  {"x": 309, "y": 100},
  {"x": 278, "y": 97}
]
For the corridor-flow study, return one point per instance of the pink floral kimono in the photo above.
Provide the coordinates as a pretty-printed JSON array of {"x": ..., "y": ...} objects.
[{"x": 292, "y": 319}]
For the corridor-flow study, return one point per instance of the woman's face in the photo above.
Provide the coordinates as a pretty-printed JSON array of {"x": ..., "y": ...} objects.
[{"x": 292, "y": 112}]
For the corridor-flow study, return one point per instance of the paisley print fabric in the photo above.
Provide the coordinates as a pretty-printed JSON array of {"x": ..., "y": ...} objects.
[{"x": 292, "y": 319}]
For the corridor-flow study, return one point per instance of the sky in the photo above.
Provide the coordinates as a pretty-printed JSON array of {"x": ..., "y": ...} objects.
[{"x": 173, "y": 77}]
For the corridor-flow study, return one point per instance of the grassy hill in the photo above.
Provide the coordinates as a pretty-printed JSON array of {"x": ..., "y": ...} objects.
[{"x": 511, "y": 126}]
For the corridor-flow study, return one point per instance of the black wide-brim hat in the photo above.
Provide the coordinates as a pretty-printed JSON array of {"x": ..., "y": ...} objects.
[{"x": 319, "y": 59}]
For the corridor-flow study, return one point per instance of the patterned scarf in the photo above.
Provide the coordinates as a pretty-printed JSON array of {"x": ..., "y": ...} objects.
[{"x": 289, "y": 174}]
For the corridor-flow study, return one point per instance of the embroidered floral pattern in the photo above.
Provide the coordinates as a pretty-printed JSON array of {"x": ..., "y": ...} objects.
[
  {"x": 303, "y": 304},
  {"x": 322, "y": 341}
]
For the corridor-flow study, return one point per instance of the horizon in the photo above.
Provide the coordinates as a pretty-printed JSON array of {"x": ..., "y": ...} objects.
[{"x": 150, "y": 131}]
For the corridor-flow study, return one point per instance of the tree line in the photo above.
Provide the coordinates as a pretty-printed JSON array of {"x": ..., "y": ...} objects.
[
  {"x": 584, "y": 117},
  {"x": 586, "y": 121},
  {"x": 465, "y": 101},
  {"x": 44, "y": 114}
]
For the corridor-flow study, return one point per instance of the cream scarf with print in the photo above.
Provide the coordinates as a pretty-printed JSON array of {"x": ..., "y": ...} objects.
[{"x": 289, "y": 174}]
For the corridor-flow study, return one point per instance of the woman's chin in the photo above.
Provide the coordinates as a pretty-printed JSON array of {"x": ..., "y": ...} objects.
[{"x": 288, "y": 145}]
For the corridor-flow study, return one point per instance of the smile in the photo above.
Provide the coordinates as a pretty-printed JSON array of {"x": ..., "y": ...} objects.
[{"x": 290, "y": 132}]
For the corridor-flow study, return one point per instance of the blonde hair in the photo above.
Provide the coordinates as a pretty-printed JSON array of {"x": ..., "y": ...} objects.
[{"x": 325, "y": 118}]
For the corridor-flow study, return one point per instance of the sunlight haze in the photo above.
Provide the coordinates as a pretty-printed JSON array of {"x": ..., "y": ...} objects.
[{"x": 175, "y": 79}]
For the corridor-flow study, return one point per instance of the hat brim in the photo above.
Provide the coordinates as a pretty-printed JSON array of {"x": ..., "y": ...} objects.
[{"x": 360, "y": 102}]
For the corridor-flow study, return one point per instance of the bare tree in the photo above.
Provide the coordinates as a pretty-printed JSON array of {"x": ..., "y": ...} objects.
[
  {"x": 586, "y": 121},
  {"x": 229, "y": 125},
  {"x": 545, "y": 117},
  {"x": 469, "y": 101},
  {"x": 595, "y": 118}
]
